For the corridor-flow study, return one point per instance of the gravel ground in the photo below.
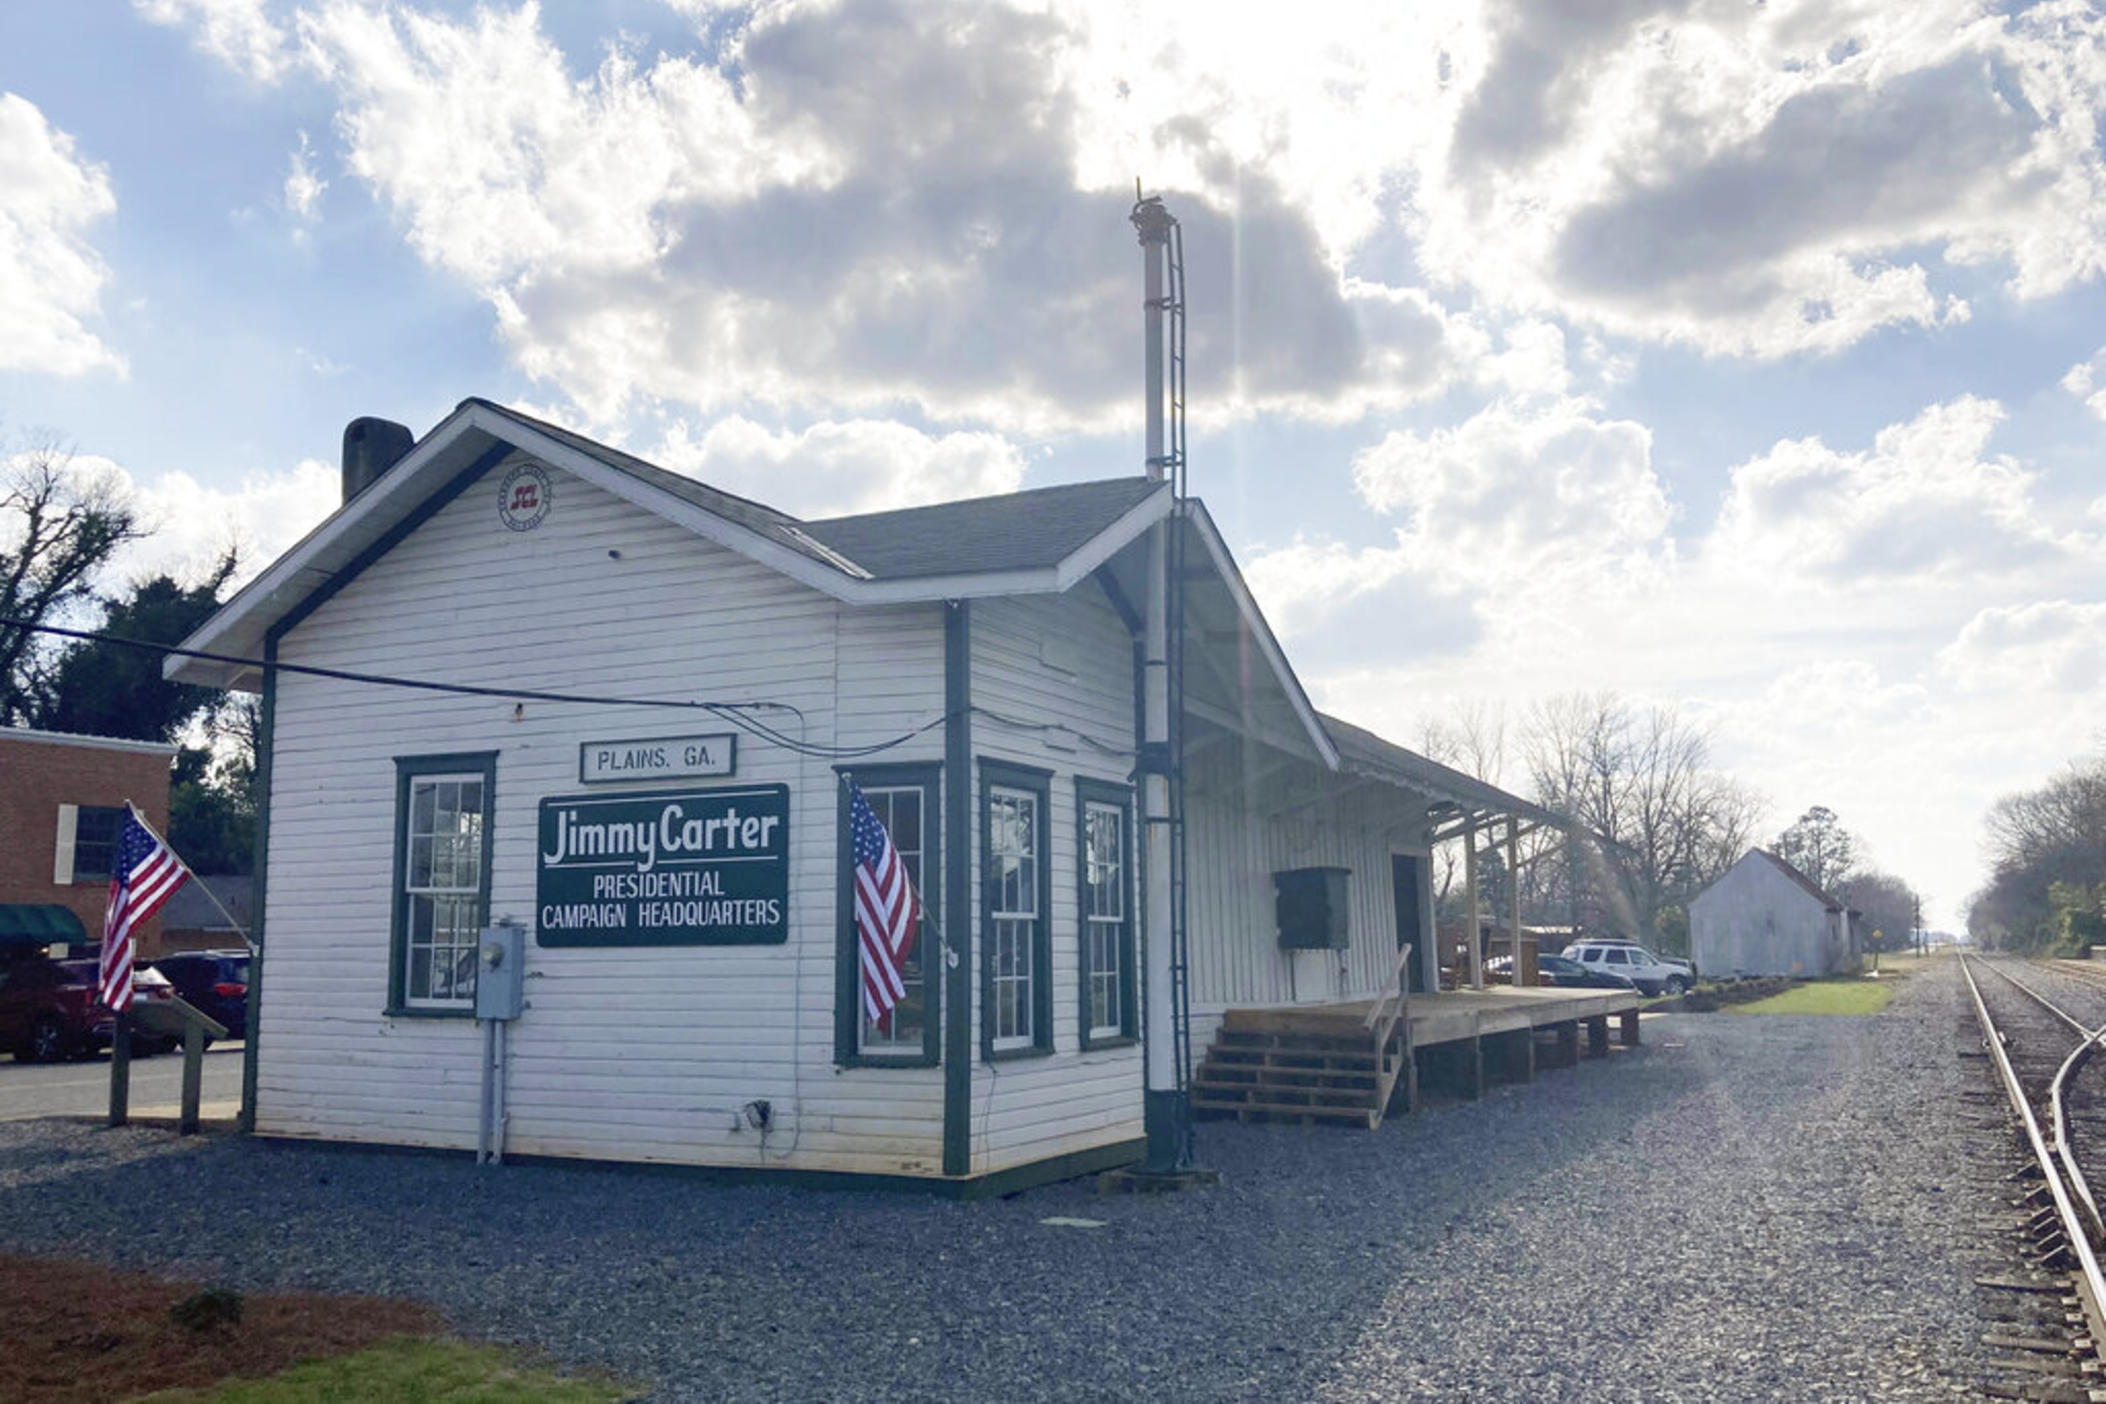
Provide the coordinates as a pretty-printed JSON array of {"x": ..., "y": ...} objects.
[{"x": 1747, "y": 1208}]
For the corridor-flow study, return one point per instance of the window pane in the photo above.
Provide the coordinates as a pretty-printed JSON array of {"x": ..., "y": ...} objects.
[{"x": 442, "y": 901}]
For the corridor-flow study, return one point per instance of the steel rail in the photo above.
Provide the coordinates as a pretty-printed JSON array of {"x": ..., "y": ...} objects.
[
  {"x": 2091, "y": 1285},
  {"x": 2080, "y": 1185}
]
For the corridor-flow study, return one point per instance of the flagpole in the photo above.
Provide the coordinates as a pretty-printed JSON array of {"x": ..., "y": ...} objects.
[{"x": 202, "y": 885}]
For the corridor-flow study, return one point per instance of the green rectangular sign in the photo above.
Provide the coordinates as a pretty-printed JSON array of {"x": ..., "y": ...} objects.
[{"x": 701, "y": 868}]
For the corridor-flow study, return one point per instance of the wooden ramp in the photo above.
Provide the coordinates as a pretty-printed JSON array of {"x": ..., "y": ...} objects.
[{"x": 1351, "y": 1064}]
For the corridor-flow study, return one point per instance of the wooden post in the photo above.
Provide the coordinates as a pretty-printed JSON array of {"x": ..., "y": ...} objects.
[
  {"x": 1513, "y": 894},
  {"x": 120, "y": 1070},
  {"x": 1628, "y": 1032},
  {"x": 1472, "y": 933},
  {"x": 1598, "y": 1037},
  {"x": 193, "y": 1075},
  {"x": 1568, "y": 1043}
]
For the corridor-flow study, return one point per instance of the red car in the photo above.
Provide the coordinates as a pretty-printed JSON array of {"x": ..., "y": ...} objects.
[{"x": 48, "y": 1010}]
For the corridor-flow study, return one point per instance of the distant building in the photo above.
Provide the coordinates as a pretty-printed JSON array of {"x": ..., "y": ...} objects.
[
  {"x": 196, "y": 917},
  {"x": 1765, "y": 917},
  {"x": 61, "y": 800}
]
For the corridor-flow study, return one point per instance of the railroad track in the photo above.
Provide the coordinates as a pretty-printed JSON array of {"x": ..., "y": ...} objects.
[{"x": 2040, "y": 1050}]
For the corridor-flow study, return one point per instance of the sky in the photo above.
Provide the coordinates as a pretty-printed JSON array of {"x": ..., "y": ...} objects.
[{"x": 1741, "y": 358}]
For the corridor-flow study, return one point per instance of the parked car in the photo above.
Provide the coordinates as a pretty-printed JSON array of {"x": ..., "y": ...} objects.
[
  {"x": 1557, "y": 970},
  {"x": 215, "y": 983},
  {"x": 48, "y": 1010},
  {"x": 1650, "y": 973}
]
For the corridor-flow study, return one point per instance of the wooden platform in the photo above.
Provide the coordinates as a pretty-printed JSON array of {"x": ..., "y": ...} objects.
[
  {"x": 1320, "y": 1063},
  {"x": 1449, "y": 1015}
]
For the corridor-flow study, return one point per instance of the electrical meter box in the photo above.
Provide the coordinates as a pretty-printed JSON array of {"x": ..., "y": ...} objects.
[
  {"x": 500, "y": 972},
  {"x": 1310, "y": 906}
]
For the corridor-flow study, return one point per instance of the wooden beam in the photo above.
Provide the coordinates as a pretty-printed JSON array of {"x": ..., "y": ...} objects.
[
  {"x": 1513, "y": 897},
  {"x": 1256, "y": 731},
  {"x": 1121, "y": 606},
  {"x": 1472, "y": 933}
]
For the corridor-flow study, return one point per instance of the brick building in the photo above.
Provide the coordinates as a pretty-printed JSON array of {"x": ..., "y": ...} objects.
[{"x": 61, "y": 798}]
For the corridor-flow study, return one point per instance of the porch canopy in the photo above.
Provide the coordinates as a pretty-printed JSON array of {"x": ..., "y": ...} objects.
[
  {"x": 1239, "y": 686},
  {"x": 1462, "y": 807}
]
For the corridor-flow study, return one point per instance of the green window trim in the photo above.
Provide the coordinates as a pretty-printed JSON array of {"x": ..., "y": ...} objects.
[
  {"x": 1039, "y": 784},
  {"x": 1105, "y": 794},
  {"x": 848, "y": 996},
  {"x": 408, "y": 768}
]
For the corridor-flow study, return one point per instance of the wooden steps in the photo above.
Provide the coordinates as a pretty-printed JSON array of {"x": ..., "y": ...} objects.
[{"x": 1268, "y": 1069}]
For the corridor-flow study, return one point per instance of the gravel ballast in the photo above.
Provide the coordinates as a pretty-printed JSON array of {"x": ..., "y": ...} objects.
[{"x": 1747, "y": 1207}]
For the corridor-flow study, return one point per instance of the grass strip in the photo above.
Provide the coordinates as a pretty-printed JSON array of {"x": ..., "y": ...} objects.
[
  {"x": 408, "y": 1370},
  {"x": 1849, "y": 996}
]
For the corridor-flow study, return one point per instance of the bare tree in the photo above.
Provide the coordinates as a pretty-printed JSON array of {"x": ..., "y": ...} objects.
[
  {"x": 58, "y": 528},
  {"x": 1661, "y": 823}
]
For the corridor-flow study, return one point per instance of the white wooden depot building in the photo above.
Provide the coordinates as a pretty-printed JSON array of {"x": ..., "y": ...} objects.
[{"x": 690, "y": 986}]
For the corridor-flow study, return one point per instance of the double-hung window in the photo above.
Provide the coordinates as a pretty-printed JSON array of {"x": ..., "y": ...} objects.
[
  {"x": 95, "y": 830},
  {"x": 1016, "y": 951},
  {"x": 1104, "y": 909},
  {"x": 442, "y": 879},
  {"x": 905, "y": 799}
]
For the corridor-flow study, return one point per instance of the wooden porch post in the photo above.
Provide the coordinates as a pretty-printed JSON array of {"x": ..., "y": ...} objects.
[
  {"x": 1513, "y": 892},
  {"x": 1472, "y": 933}
]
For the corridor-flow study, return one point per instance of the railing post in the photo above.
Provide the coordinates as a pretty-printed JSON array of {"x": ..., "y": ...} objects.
[
  {"x": 120, "y": 1069},
  {"x": 193, "y": 1075}
]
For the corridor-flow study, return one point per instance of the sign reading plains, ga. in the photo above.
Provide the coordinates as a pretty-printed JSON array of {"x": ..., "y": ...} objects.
[{"x": 705, "y": 868}]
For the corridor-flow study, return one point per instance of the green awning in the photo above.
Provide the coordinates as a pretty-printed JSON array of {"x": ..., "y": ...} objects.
[{"x": 39, "y": 924}]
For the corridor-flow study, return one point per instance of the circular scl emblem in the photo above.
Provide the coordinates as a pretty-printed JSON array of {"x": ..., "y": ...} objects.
[{"x": 525, "y": 497}]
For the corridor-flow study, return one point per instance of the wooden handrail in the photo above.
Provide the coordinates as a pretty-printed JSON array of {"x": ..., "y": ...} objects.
[
  {"x": 1397, "y": 988},
  {"x": 1382, "y": 1019}
]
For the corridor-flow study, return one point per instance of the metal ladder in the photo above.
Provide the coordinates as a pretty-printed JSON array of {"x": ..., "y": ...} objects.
[{"x": 1174, "y": 470}]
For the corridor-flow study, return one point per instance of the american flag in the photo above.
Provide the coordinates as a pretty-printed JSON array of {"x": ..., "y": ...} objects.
[
  {"x": 146, "y": 873},
  {"x": 887, "y": 911}
]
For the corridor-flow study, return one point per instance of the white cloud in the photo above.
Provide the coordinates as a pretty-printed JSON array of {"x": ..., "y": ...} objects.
[
  {"x": 189, "y": 524},
  {"x": 833, "y": 469},
  {"x": 193, "y": 523},
  {"x": 1927, "y": 500},
  {"x": 2031, "y": 651},
  {"x": 303, "y": 188},
  {"x": 1525, "y": 496},
  {"x": 869, "y": 204},
  {"x": 1761, "y": 180},
  {"x": 239, "y": 33},
  {"x": 51, "y": 279},
  {"x": 1299, "y": 584},
  {"x": 2087, "y": 381}
]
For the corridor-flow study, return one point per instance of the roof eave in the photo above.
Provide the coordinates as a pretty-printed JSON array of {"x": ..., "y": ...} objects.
[{"x": 1275, "y": 657}]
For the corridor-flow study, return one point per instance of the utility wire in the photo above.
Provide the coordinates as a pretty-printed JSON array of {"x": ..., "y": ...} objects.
[{"x": 736, "y": 713}]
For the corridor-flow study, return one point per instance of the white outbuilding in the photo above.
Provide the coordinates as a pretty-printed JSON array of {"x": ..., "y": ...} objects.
[{"x": 1765, "y": 917}]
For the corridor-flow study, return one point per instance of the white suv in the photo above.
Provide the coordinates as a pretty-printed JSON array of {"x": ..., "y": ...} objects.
[{"x": 1650, "y": 973}]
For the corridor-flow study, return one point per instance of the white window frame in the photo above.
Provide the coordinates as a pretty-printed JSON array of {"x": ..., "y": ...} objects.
[
  {"x": 1104, "y": 910},
  {"x": 1016, "y": 911},
  {"x": 458, "y": 889}
]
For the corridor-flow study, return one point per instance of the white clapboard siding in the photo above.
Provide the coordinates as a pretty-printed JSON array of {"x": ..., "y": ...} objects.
[
  {"x": 624, "y": 1053},
  {"x": 1247, "y": 819},
  {"x": 1042, "y": 661}
]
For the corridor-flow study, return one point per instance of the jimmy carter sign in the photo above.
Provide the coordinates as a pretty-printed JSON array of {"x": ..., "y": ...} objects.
[{"x": 709, "y": 868}]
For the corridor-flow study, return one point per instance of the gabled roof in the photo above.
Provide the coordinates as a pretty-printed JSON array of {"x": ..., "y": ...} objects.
[
  {"x": 1034, "y": 529},
  {"x": 1363, "y": 752},
  {"x": 1041, "y": 541},
  {"x": 1046, "y": 544},
  {"x": 1812, "y": 889}
]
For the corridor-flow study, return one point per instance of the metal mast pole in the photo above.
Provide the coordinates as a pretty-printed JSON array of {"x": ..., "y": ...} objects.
[{"x": 1167, "y": 1105}]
